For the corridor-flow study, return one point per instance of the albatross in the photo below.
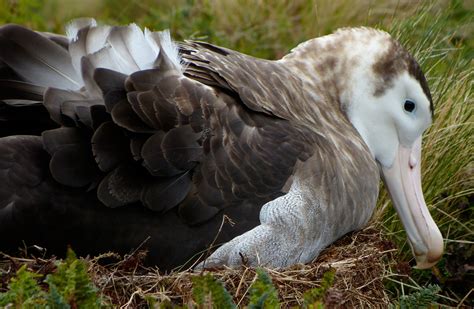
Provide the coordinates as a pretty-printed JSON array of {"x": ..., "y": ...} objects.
[{"x": 114, "y": 138}]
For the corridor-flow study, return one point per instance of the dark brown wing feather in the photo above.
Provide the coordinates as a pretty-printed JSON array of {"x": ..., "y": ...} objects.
[{"x": 261, "y": 85}]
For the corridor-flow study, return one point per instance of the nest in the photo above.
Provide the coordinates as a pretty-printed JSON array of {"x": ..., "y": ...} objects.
[{"x": 357, "y": 259}]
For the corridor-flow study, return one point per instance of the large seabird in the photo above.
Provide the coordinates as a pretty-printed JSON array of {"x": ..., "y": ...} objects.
[{"x": 112, "y": 135}]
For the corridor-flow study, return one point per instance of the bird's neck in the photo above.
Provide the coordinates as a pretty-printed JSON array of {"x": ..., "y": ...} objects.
[
  {"x": 337, "y": 64},
  {"x": 338, "y": 70},
  {"x": 326, "y": 67}
]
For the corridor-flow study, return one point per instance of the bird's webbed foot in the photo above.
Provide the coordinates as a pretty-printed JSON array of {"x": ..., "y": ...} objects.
[
  {"x": 259, "y": 246},
  {"x": 286, "y": 236}
]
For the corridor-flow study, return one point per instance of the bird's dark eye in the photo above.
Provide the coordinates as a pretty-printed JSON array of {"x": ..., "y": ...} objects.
[{"x": 409, "y": 106}]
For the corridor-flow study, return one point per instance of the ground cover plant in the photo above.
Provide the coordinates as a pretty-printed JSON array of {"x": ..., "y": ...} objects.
[{"x": 371, "y": 267}]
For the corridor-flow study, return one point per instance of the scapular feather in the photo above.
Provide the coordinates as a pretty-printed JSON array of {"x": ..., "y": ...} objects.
[
  {"x": 24, "y": 117},
  {"x": 92, "y": 116},
  {"x": 136, "y": 144},
  {"x": 73, "y": 28},
  {"x": 153, "y": 157},
  {"x": 146, "y": 79},
  {"x": 124, "y": 116},
  {"x": 121, "y": 186},
  {"x": 55, "y": 139},
  {"x": 144, "y": 111},
  {"x": 167, "y": 193},
  {"x": 109, "y": 146},
  {"x": 69, "y": 108},
  {"x": 164, "y": 112},
  {"x": 168, "y": 50},
  {"x": 61, "y": 40},
  {"x": 206, "y": 186},
  {"x": 181, "y": 148},
  {"x": 147, "y": 103},
  {"x": 111, "y": 83}
]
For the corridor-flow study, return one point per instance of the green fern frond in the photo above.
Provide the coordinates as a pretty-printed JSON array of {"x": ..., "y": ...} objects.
[
  {"x": 208, "y": 291},
  {"x": 262, "y": 292},
  {"x": 71, "y": 285},
  {"x": 23, "y": 291}
]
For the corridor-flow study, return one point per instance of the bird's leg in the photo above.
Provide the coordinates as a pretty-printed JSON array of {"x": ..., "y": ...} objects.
[{"x": 291, "y": 231}]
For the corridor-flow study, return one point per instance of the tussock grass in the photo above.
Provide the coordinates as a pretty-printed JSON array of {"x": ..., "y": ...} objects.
[
  {"x": 445, "y": 52},
  {"x": 440, "y": 35}
]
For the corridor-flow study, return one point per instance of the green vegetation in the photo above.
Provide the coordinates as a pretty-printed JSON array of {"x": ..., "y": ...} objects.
[
  {"x": 439, "y": 33},
  {"x": 23, "y": 290},
  {"x": 422, "y": 299},
  {"x": 313, "y": 298},
  {"x": 70, "y": 284},
  {"x": 262, "y": 292},
  {"x": 68, "y": 287},
  {"x": 208, "y": 291}
]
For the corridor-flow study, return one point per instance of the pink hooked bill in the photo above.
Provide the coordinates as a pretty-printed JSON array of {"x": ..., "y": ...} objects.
[{"x": 403, "y": 180}]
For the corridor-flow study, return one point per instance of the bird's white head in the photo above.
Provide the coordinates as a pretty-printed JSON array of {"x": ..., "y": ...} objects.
[{"x": 390, "y": 105}]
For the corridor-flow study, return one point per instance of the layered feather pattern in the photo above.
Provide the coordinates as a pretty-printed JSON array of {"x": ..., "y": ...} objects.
[
  {"x": 141, "y": 125},
  {"x": 167, "y": 122}
]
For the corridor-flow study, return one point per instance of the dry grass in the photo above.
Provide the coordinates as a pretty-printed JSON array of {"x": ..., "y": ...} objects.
[{"x": 358, "y": 260}]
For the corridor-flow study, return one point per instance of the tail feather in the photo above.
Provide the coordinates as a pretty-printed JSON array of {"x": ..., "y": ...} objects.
[
  {"x": 85, "y": 38},
  {"x": 37, "y": 59},
  {"x": 61, "y": 40},
  {"x": 18, "y": 90},
  {"x": 87, "y": 73},
  {"x": 79, "y": 24},
  {"x": 131, "y": 46},
  {"x": 124, "y": 49}
]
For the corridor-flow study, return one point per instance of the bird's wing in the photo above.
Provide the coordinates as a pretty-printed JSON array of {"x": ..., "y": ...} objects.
[
  {"x": 261, "y": 85},
  {"x": 158, "y": 137}
]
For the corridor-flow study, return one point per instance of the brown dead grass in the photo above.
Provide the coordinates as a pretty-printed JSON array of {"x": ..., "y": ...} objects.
[{"x": 358, "y": 259}]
